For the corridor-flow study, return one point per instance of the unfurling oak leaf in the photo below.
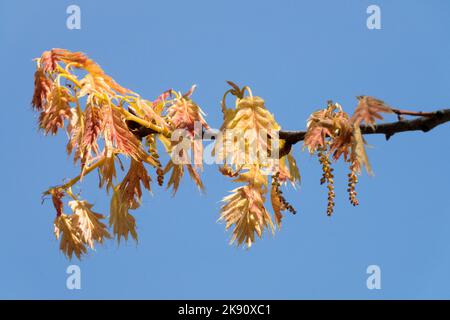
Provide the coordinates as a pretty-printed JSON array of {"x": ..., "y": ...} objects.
[
  {"x": 84, "y": 131},
  {"x": 186, "y": 120},
  {"x": 42, "y": 88},
  {"x": 56, "y": 110},
  {"x": 177, "y": 172},
  {"x": 319, "y": 128},
  {"x": 277, "y": 205},
  {"x": 98, "y": 80},
  {"x": 117, "y": 135},
  {"x": 315, "y": 137},
  {"x": 342, "y": 135},
  {"x": 330, "y": 128},
  {"x": 249, "y": 161},
  {"x": 127, "y": 196},
  {"x": 130, "y": 187},
  {"x": 75, "y": 131},
  {"x": 70, "y": 236},
  {"x": 244, "y": 209},
  {"x": 57, "y": 195},
  {"x": 120, "y": 219},
  {"x": 48, "y": 61},
  {"x": 92, "y": 128},
  {"x": 88, "y": 223},
  {"x": 254, "y": 127},
  {"x": 368, "y": 110},
  {"x": 107, "y": 172},
  {"x": 360, "y": 151},
  {"x": 184, "y": 113},
  {"x": 294, "y": 173}
]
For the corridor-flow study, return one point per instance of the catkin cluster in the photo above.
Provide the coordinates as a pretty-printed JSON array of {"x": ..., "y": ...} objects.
[
  {"x": 327, "y": 177},
  {"x": 285, "y": 205}
]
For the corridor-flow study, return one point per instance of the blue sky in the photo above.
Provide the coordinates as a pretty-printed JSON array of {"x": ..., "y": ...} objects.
[{"x": 294, "y": 54}]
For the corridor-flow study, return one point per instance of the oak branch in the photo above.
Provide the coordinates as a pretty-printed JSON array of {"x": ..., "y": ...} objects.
[{"x": 423, "y": 123}]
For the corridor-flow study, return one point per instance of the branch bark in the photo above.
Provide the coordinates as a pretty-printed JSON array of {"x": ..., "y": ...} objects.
[{"x": 423, "y": 123}]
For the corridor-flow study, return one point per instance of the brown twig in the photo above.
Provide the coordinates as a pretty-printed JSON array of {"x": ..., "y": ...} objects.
[
  {"x": 425, "y": 123},
  {"x": 400, "y": 112}
]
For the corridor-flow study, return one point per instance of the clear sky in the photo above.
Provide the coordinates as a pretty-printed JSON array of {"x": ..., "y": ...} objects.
[{"x": 294, "y": 54}]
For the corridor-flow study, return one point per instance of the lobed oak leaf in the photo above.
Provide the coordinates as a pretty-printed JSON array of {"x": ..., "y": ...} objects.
[
  {"x": 359, "y": 150},
  {"x": 100, "y": 81},
  {"x": 130, "y": 187},
  {"x": 107, "y": 172},
  {"x": 187, "y": 115},
  {"x": 288, "y": 170},
  {"x": 88, "y": 223},
  {"x": 175, "y": 176},
  {"x": 118, "y": 136},
  {"x": 244, "y": 209},
  {"x": 319, "y": 128},
  {"x": 184, "y": 113},
  {"x": 246, "y": 134},
  {"x": 195, "y": 176},
  {"x": 92, "y": 130},
  {"x": 120, "y": 219},
  {"x": 342, "y": 137},
  {"x": 330, "y": 126},
  {"x": 177, "y": 173},
  {"x": 42, "y": 89},
  {"x": 315, "y": 137},
  {"x": 56, "y": 111},
  {"x": 75, "y": 130},
  {"x": 368, "y": 110},
  {"x": 69, "y": 236},
  {"x": 48, "y": 61}
]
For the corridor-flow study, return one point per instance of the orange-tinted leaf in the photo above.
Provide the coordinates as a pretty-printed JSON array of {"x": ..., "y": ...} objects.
[
  {"x": 277, "y": 205},
  {"x": 118, "y": 136},
  {"x": 108, "y": 172},
  {"x": 88, "y": 223},
  {"x": 369, "y": 109},
  {"x": 42, "y": 89},
  {"x": 244, "y": 209},
  {"x": 56, "y": 111},
  {"x": 92, "y": 128},
  {"x": 57, "y": 195},
  {"x": 122, "y": 222},
  {"x": 130, "y": 187},
  {"x": 70, "y": 240}
]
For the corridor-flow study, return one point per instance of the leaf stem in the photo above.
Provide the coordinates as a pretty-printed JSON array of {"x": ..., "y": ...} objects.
[
  {"x": 129, "y": 116},
  {"x": 71, "y": 182}
]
